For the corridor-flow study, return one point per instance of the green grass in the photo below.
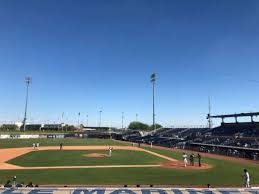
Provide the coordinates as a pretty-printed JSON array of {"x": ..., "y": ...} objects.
[
  {"x": 13, "y": 143},
  {"x": 223, "y": 173},
  {"x": 120, "y": 176},
  {"x": 33, "y": 132},
  {"x": 77, "y": 158}
]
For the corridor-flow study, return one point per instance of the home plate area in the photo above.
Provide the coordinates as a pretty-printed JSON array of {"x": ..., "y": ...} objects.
[{"x": 128, "y": 191}]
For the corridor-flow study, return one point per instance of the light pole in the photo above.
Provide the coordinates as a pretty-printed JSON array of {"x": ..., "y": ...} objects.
[
  {"x": 100, "y": 118},
  {"x": 78, "y": 120},
  {"x": 62, "y": 121},
  {"x": 122, "y": 118},
  {"x": 153, "y": 80},
  {"x": 87, "y": 120},
  {"x": 209, "y": 118},
  {"x": 136, "y": 117},
  {"x": 28, "y": 81}
]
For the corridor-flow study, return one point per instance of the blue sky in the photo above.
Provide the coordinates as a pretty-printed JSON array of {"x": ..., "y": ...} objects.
[{"x": 86, "y": 56}]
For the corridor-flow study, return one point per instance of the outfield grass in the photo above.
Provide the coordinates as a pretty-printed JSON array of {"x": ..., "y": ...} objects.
[
  {"x": 13, "y": 143},
  {"x": 121, "y": 176},
  {"x": 77, "y": 158},
  {"x": 34, "y": 132},
  {"x": 223, "y": 173}
]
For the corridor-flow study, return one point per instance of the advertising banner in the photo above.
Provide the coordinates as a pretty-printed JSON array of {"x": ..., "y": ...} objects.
[{"x": 126, "y": 191}]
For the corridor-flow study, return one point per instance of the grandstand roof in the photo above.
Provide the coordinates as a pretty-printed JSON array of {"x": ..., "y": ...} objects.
[
  {"x": 225, "y": 146},
  {"x": 234, "y": 115}
]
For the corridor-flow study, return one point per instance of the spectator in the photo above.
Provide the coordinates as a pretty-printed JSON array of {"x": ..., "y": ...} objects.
[
  {"x": 8, "y": 184},
  {"x": 29, "y": 185},
  {"x": 19, "y": 185}
]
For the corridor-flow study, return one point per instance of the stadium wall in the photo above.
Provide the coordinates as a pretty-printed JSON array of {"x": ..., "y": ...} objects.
[{"x": 127, "y": 191}]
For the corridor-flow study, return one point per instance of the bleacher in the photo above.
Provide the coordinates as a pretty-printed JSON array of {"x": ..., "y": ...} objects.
[
  {"x": 168, "y": 136},
  {"x": 246, "y": 129},
  {"x": 228, "y": 138}
]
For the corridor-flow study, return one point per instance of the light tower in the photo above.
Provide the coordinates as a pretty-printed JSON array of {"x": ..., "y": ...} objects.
[
  {"x": 153, "y": 80},
  {"x": 100, "y": 118},
  {"x": 62, "y": 121},
  {"x": 122, "y": 119},
  {"x": 28, "y": 81},
  {"x": 209, "y": 118},
  {"x": 78, "y": 121}
]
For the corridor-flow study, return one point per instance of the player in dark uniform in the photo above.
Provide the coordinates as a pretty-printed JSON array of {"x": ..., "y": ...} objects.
[
  {"x": 199, "y": 159},
  {"x": 61, "y": 146},
  {"x": 191, "y": 160}
]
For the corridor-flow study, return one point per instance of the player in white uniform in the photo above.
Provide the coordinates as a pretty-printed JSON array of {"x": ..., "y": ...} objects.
[
  {"x": 38, "y": 145},
  {"x": 110, "y": 151},
  {"x": 185, "y": 161},
  {"x": 246, "y": 179},
  {"x": 33, "y": 145}
]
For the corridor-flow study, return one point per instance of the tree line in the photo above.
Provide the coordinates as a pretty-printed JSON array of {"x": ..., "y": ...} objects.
[{"x": 135, "y": 125}]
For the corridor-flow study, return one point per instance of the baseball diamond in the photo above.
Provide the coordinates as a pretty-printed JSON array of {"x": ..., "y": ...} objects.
[
  {"x": 79, "y": 163},
  {"x": 129, "y": 96}
]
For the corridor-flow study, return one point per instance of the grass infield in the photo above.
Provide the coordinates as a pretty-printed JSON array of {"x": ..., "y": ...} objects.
[{"x": 77, "y": 158}]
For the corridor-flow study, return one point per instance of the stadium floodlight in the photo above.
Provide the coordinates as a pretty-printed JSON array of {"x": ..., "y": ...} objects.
[
  {"x": 100, "y": 118},
  {"x": 78, "y": 121},
  {"x": 136, "y": 117},
  {"x": 122, "y": 118},
  {"x": 209, "y": 118},
  {"x": 28, "y": 81},
  {"x": 62, "y": 121},
  {"x": 153, "y": 80},
  {"x": 87, "y": 120}
]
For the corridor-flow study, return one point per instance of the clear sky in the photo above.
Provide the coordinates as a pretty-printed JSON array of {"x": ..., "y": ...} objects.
[{"x": 85, "y": 56}]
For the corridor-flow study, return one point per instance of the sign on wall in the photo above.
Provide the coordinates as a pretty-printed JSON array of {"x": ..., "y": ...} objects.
[{"x": 126, "y": 191}]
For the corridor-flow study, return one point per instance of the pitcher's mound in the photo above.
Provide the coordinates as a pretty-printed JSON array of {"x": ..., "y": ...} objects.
[{"x": 96, "y": 155}]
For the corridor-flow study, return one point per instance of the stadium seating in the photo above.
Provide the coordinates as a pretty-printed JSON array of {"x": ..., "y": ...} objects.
[{"x": 235, "y": 139}]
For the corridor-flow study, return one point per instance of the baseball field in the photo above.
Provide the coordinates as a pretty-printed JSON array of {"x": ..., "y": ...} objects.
[{"x": 87, "y": 162}]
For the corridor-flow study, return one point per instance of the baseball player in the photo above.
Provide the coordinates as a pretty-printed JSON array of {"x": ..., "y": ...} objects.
[
  {"x": 33, "y": 145},
  {"x": 61, "y": 146},
  {"x": 185, "y": 161},
  {"x": 246, "y": 178},
  {"x": 14, "y": 180},
  {"x": 191, "y": 160},
  {"x": 38, "y": 145},
  {"x": 199, "y": 159},
  {"x": 110, "y": 151}
]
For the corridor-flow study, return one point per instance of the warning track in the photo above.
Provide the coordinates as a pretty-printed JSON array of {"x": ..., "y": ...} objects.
[{"x": 11, "y": 153}]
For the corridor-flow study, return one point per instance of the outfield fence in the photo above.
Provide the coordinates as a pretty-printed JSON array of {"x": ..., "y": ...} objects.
[{"x": 35, "y": 136}]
